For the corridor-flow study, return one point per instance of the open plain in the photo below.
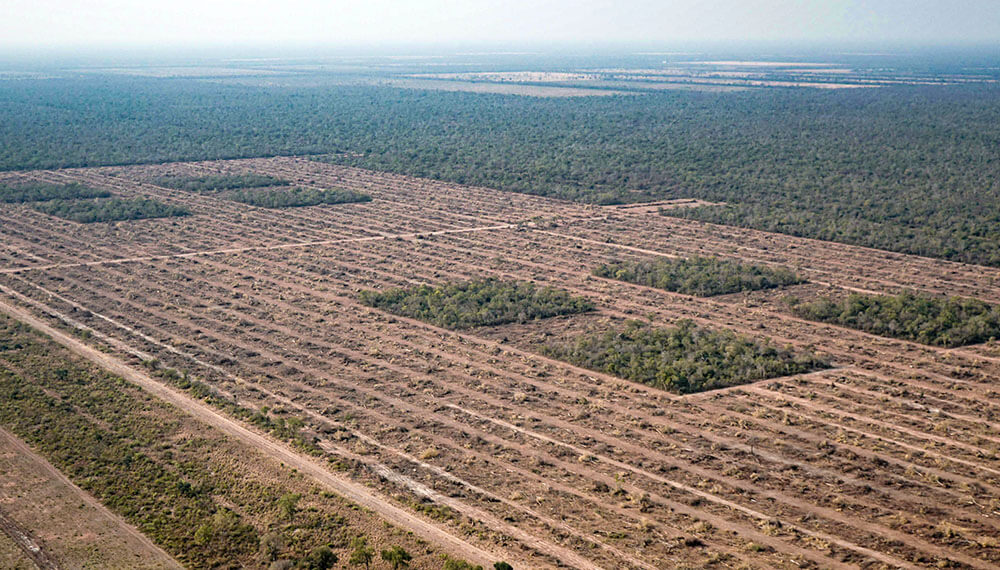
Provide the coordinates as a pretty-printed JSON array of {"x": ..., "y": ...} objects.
[{"x": 890, "y": 459}]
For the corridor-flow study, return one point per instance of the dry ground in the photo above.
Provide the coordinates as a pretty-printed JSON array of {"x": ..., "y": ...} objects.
[
  {"x": 69, "y": 525},
  {"x": 888, "y": 460}
]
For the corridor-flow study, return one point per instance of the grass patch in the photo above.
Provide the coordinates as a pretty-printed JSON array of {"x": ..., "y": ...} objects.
[
  {"x": 683, "y": 359},
  {"x": 216, "y": 182},
  {"x": 296, "y": 197},
  {"x": 934, "y": 321},
  {"x": 483, "y": 302},
  {"x": 44, "y": 191},
  {"x": 109, "y": 210},
  {"x": 701, "y": 276}
]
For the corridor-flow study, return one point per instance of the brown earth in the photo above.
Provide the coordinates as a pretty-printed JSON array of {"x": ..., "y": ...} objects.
[{"x": 888, "y": 460}]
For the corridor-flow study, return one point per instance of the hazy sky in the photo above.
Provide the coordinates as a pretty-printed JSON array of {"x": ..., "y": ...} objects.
[{"x": 51, "y": 23}]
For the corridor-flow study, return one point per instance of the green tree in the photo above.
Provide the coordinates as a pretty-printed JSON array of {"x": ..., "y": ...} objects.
[
  {"x": 321, "y": 558},
  {"x": 361, "y": 553},
  {"x": 397, "y": 557}
]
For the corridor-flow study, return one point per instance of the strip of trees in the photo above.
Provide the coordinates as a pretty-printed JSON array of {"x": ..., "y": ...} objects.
[
  {"x": 484, "y": 302},
  {"x": 216, "y": 182},
  {"x": 296, "y": 197},
  {"x": 684, "y": 358},
  {"x": 44, "y": 191},
  {"x": 701, "y": 276},
  {"x": 934, "y": 321},
  {"x": 109, "y": 210}
]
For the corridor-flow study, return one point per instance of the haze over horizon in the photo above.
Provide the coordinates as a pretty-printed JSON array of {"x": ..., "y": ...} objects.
[{"x": 48, "y": 24}]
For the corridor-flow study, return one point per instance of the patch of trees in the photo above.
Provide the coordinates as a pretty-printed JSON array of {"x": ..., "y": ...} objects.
[
  {"x": 44, "y": 191},
  {"x": 484, "y": 302},
  {"x": 216, "y": 182},
  {"x": 295, "y": 197},
  {"x": 934, "y": 321},
  {"x": 684, "y": 359},
  {"x": 701, "y": 276},
  {"x": 909, "y": 168},
  {"x": 109, "y": 210}
]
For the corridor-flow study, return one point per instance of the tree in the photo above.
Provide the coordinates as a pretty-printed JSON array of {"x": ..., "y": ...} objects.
[
  {"x": 397, "y": 557},
  {"x": 288, "y": 505},
  {"x": 321, "y": 558},
  {"x": 502, "y": 566},
  {"x": 361, "y": 553}
]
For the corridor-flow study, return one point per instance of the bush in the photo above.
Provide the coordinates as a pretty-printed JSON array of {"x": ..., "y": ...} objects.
[
  {"x": 484, "y": 302},
  {"x": 43, "y": 191},
  {"x": 684, "y": 359},
  {"x": 109, "y": 210},
  {"x": 701, "y": 276},
  {"x": 934, "y": 321},
  {"x": 295, "y": 197},
  {"x": 217, "y": 182}
]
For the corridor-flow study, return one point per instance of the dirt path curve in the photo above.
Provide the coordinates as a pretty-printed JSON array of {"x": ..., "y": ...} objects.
[
  {"x": 27, "y": 543},
  {"x": 51, "y": 471},
  {"x": 349, "y": 489}
]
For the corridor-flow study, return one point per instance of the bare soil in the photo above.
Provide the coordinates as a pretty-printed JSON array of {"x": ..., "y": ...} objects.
[{"x": 891, "y": 459}]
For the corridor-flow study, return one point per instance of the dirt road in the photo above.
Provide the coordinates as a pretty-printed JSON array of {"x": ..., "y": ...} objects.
[{"x": 205, "y": 413}]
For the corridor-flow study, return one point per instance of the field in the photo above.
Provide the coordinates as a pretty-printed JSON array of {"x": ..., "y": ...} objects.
[{"x": 887, "y": 459}]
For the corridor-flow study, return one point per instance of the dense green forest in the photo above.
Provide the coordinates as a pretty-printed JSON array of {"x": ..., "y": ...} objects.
[
  {"x": 477, "y": 303},
  {"x": 685, "y": 358},
  {"x": 214, "y": 182},
  {"x": 44, "y": 191},
  {"x": 701, "y": 276},
  {"x": 936, "y": 321},
  {"x": 293, "y": 197},
  {"x": 909, "y": 168},
  {"x": 109, "y": 210}
]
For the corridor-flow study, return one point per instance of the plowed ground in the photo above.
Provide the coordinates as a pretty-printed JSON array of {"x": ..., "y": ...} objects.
[{"x": 888, "y": 460}]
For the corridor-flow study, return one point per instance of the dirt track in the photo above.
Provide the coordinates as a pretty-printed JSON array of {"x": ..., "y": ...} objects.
[{"x": 205, "y": 413}]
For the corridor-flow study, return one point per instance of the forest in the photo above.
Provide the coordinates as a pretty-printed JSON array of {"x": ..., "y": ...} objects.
[
  {"x": 700, "y": 276},
  {"x": 912, "y": 169},
  {"x": 295, "y": 197},
  {"x": 215, "y": 182},
  {"x": 684, "y": 358},
  {"x": 109, "y": 210},
  {"x": 44, "y": 191},
  {"x": 936, "y": 321},
  {"x": 484, "y": 302}
]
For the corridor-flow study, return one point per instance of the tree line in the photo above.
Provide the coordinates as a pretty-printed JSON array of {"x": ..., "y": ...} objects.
[
  {"x": 296, "y": 197},
  {"x": 484, "y": 302},
  {"x": 936, "y": 321},
  {"x": 216, "y": 182},
  {"x": 684, "y": 358},
  {"x": 109, "y": 209},
  {"x": 44, "y": 191},
  {"x": 701, "y": 276}
]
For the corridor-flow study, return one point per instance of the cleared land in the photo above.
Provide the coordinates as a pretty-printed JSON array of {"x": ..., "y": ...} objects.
[{"x": 891, "y": 458}]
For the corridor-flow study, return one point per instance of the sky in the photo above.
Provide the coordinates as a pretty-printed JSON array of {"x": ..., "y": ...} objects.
[{"x": 186, "y": 23}]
